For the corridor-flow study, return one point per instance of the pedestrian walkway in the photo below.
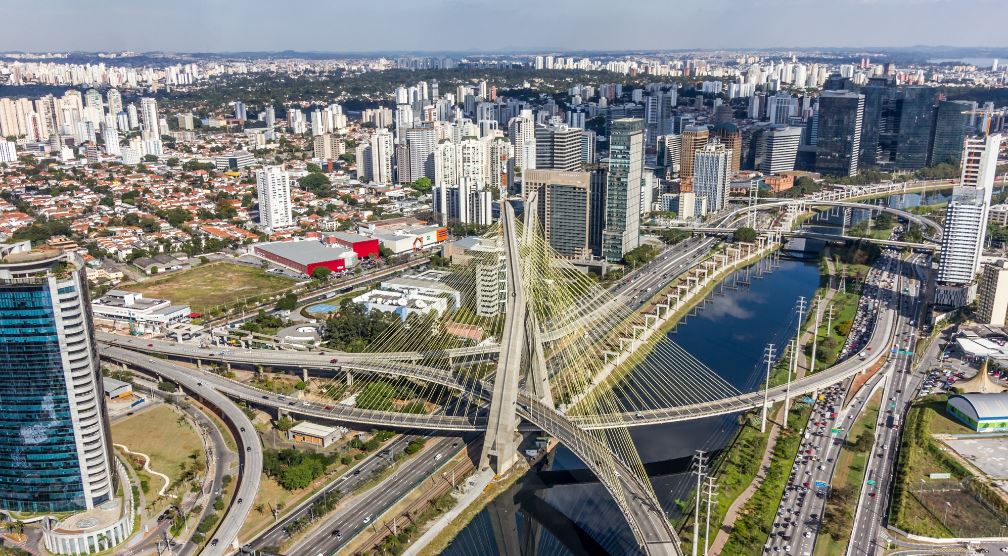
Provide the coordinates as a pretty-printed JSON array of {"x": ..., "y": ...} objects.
[{"x": 481, "y": 480}]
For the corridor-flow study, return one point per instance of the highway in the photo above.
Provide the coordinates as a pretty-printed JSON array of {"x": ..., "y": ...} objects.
[
  {"x": 250, "y": 450},
  {"x": 360, "y": 512},
  {"x": 346, "y": 483},
  {"x": 901, "y": 388},
  {"x": 799, "y": 516}
]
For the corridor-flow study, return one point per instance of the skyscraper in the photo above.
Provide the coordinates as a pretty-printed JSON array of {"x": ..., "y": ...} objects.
[
  {"x": 273, "y": 185},
  {"x": 563, "y": 206},
  {"x": 951, "y": 121},
  {"x": 965, "y": 225},
  {"x": 777, "y": 149},
  {"x": 421, "y": 142},
  {"x": 839, "y": 133},
  {"x": 880, "y": 94},
  {"x": 915, "y": 124},
  {"x": 558, "y": 147},
  {"x": 55, "y": 447},
  {"x": 623, "y": 188},
  {"x": 149, "y": 117},
  {"x": 694, "y": 138},
  {"x": 381, "y": 156},
  {"x": 729, "y": 136},
  {"x": 711, "y": 173}
]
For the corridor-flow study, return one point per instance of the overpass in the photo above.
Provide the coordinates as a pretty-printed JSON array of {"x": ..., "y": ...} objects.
[
  {"x": 250, "y": 454},
  {"x": 814, "y": 235}
]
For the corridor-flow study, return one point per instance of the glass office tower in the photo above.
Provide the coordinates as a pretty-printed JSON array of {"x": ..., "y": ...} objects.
[{"x": 54, "y": 434}]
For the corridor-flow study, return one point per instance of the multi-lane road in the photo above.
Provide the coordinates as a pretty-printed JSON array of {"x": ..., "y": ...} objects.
[
  {"x": 903, "y": 382},
  {"x": 360, "y": 512}
]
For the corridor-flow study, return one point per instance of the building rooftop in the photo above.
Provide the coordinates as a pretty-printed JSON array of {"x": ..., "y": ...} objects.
[
  {"x": 987, "y": 406},
  {"x": 304, "y": 252},
  {"x": 313, "y": 429}
]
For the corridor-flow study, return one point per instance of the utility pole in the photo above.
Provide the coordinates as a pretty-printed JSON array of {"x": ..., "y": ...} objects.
[
  {"x": 815, "y": 333},
  {"x": 698, "y": 460},
  {"x": 766, "y": 386},
  {"x": 794, "y": 359},
  {"x": 829, "y": 320},
  {"x": 710, "y": 498}
]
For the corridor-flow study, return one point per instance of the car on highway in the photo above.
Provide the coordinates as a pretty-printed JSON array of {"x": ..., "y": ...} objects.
[{"x": 367, "y": 519}]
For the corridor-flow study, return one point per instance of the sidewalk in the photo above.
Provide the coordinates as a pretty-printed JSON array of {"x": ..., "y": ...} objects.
[{"x": 482, "y": 479}]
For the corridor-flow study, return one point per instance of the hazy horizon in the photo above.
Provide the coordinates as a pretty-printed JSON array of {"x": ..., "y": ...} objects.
[{"x": 215, "y": 26}]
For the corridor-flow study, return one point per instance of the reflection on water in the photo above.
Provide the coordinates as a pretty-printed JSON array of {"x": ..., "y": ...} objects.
[{"x": 562, "y": 509}]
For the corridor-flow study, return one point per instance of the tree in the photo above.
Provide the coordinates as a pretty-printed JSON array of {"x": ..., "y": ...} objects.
[
  {"x": 150, "y": 158},
  {"x": 287, "y": 302},
  {"x": 422, "y": 185},
  {"x": 316, "y": 183},
  {"x": 313, "y": 168},
  {"x": 744, "y": 234},
  {"x": 321, "y": 273}
]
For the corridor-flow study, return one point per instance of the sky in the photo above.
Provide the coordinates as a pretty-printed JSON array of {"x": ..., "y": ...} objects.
[{"x": 497, "y": 25}]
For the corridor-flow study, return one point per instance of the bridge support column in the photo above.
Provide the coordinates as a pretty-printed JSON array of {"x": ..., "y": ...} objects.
[
  {"x": 199, "y": 364},
  {"x": 304, "y": 374},
  {"x": 499, "y": 446},
  {"x": 349, "y": 379},
  {"x": 227, "y": 366}
]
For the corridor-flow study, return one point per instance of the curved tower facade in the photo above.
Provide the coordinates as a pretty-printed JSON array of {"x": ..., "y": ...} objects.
[{"x": 55, "y": 451}]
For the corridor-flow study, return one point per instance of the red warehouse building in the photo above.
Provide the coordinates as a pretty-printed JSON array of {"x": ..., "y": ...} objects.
[
  {"x": 305, "y": 256},
  {"x": 363, "y": 246}
]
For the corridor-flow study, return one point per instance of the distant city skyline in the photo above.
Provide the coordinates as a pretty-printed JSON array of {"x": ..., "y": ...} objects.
[{"x": 477, "y": 25}]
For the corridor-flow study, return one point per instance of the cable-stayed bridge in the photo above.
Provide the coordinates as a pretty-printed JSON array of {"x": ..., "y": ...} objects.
[{"x": 493, "y": 359}]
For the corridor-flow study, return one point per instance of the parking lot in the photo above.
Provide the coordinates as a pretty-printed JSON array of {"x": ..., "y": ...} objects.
[{"x": 989, "y": 454}]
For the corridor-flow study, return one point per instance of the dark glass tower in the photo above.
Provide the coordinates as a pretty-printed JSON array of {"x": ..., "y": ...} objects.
[
  {"x": 838, "y": 146},
  {"x": 951, "y": 121},
  {"x": 916, "y": 121},
  {"x": 879, "y": 93}
]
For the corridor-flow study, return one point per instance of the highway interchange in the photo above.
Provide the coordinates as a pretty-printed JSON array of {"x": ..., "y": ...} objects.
[{"x": 349, "y": 517}]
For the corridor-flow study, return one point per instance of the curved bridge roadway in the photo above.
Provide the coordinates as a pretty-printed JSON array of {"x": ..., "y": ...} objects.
[
  {"x": 250, "y": 454},
  {"x": 744, "y": 402}
]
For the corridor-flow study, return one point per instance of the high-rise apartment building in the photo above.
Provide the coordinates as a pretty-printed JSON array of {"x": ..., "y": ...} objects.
[
  {"x": 711, "y": 174},
  {"x": 623, "y": 188},
  {"x": 55, "y": 446},
  {"x": 963, "y": 236},
  {"x": 992, "y": 294},
  {"x": 521, "y": 131},
  {"x": 562, "y": 206},
  {"x": 839, "y": 133},
  {"x": 965, "y": 225},
  {"x": 273, "y": 185},
  {"x": 149, "y": 117},
  {"x": 421, "y": 142},
  {"x": 694, "y": 138}
]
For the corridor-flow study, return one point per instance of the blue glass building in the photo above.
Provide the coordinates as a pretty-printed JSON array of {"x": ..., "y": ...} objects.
[{"x": 54, "y": 433}]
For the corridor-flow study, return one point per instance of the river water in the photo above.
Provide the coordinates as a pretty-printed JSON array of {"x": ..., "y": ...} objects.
[{"x": 560, "y": 510}]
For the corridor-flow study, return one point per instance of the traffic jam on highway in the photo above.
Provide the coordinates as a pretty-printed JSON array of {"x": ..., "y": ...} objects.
[{"x": 799, "y": 515}]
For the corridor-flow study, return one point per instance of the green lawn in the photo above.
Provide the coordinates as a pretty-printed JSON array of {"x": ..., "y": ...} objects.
[
  {"x": 849, "y": 476},
  {"x": 920, "y": 455},
  {"x": 212, "y": 285}
]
